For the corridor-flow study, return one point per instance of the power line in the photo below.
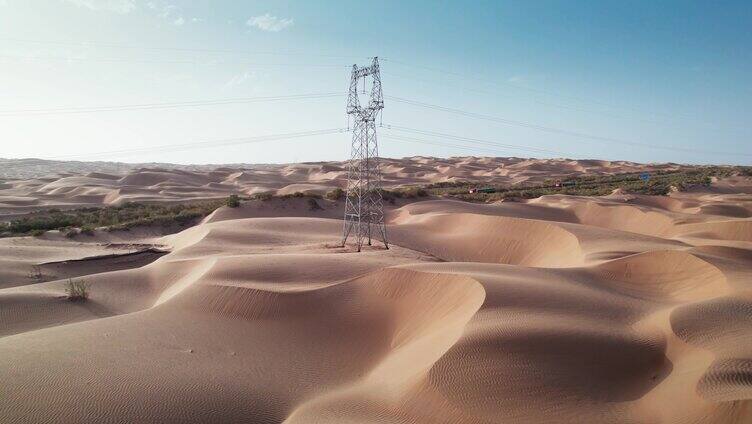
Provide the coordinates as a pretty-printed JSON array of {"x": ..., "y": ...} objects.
[
  {"x": 167, "y": 105},
  {"x": 397, "y": 62},
  {"x": 180, "y": 62},
  {"x": 207, "y": 144},
  {"x": 554, "y": 130},
  {"x": 497, "y": 93},
  {"x": 477, "y": 141},
  {"x": 436, "y": 143},
  {"x": 168, "y": 48},
  {"x": 535, "y": 90}
]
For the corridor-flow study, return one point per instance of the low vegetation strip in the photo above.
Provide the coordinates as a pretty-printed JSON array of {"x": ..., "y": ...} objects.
[
  {"x": 131, "y": 215},
  {"x": 656, "y": 183},
  {"x": 124, "y": 217}
]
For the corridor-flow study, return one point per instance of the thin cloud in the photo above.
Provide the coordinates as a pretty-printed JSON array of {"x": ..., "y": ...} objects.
[
  {"x": 116, "y": 6},
  {"x": 168, "y": 10},
  {"x": 267, "y": 22},
  {"x": 179, "y": 21}
]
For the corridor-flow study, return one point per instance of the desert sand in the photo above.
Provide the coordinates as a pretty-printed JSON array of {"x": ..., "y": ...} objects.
[{"x": 562, "y": 309}]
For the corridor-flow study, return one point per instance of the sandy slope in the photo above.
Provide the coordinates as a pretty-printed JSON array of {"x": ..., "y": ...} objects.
[{"x": 617, "y": 309}]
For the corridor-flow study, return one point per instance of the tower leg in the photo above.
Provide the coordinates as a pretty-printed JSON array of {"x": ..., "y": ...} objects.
[
  {"x": 369, "y": 233},
  {"x": 383, "y": 236},
  {"x": 346, "y": 228}
]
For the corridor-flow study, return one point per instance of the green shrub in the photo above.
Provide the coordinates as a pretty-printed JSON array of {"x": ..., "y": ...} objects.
[
  {"x": 233, "y": 201},
  {"x": 264, "y": 196},
  {"x": 122, "y": 217},
  {"x": 77, "y": 290},
  {"x": 413, "y": 192},
  {"x": 404, "y": 193},
  {"x": 335, "y": 194},
  {"x": 660, "y": 183},
  {"x": 313, "y": 204}
]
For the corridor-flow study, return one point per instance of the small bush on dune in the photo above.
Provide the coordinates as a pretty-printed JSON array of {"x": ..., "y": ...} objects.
[
  {"x": 300, "y": 195},
  {"x": 233, "y": 201},
  {"x": 403, "y": 193},
  {"x": 413, "y": 192},
  {"x": 263, "y": 196},
  {"x": 35, "y": 273},
  {"x": 77, "y": 290},
  {"x": 335, "y": 194},
  {"x": 124, "y": 217},
  {"x": 313, "y": 204}
]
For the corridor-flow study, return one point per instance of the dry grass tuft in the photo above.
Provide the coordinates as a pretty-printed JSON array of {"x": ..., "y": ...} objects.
[{"x": 77, "y": 290}]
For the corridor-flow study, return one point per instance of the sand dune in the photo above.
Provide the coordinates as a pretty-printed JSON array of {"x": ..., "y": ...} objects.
[
  {"x": 39, "y": 183},
  {"x": 562, "y": 309}
]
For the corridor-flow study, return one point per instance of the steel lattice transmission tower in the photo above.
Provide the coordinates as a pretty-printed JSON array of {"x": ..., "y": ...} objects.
[{"x": 364, "y": 204}]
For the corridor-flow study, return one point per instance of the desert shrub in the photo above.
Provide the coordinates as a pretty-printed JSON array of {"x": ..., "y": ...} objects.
[
  {"x": 37, "y": 232},
  {"x": 404, "y": 193},
  {"x": 263, "y": 196},
  {"x": 77, "y": 290},
  {"x": 335, "y": 194},
  {"x": 447, "y": 184},
  {"x": 300, "y": 195},
  {"x": 35, "y": 273},
  {"x": 233, "y": 201},
  {"x": 413, "y": 192},
  {"x": 313, "y": 204},
  {"x": 122, "y": 217},
  {"x": 660, "y": 183}
]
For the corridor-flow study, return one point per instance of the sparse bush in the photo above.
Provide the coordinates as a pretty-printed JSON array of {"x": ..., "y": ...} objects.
[
  {"x": 122, "y": 217},
  {"x": 77, "y": 290},
  {"x": 35, "y": 273},
  {"x": 233, "y": 201},
  {"x": 335, "y": 194},
  {"x": 659, "y": 183},
  {"x": 300, "y": 195},
  {"x": 404, "y": 193},
  {"x": 413, "y": 192},
  {"x": 263, "y": 196},
  {"x": 313, "y": 204}
]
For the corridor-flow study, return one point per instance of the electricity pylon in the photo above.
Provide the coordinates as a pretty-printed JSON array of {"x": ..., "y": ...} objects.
[{"x": 364, "y": 204}]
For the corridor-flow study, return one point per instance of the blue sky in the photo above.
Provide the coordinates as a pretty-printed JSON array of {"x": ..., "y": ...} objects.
[{"x": 644, "y": 81}]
